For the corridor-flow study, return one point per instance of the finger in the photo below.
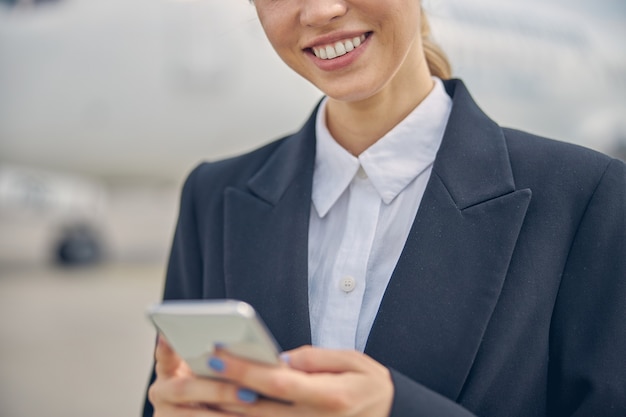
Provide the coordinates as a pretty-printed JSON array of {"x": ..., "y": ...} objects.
[
  {"x": 167, "y": 361},
  {"x": 265, "y": 408},
  {"x": 310, "y": 359},
  {"x": 193, "y": 410},
  {"x": 275, "y": 382},
  {"x": 186, "y": 390}
]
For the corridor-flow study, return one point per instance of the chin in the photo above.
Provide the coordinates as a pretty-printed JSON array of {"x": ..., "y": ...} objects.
[
  {"x": 348, "y": 93},
  {"x": 351, "y": 96}
]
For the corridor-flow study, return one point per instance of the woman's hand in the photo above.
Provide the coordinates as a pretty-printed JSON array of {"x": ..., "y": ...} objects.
[
  {"x": 313, "y": 382},
  {"x": 316, "y": 382},
  {"x": 177, "y": 392}
]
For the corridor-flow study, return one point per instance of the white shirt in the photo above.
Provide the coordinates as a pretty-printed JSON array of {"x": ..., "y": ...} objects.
[{"x": 362, "y": 210}]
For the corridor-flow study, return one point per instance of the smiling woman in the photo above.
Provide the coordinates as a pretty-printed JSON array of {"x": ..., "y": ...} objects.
[
  {"x": 388, "y": 59},
  {"x": 412, "y": 256}
]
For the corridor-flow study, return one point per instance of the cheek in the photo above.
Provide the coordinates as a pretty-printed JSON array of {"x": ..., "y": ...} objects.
[
  {"x": 277, "y": 24},
  {"x": 284, "y": 41}
]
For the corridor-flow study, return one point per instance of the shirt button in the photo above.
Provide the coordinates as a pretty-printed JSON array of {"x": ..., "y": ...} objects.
[
  {"x": 347, "y": 284},
  {"x": 361, "y": 173}
]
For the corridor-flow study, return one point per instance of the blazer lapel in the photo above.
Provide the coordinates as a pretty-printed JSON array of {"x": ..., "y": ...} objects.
[
  {"x": 448, "y": 279},
  {"x": 266, "y": 238}
]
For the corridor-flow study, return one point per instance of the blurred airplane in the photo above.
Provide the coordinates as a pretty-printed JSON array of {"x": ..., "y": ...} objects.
[
  {"x": 58, "y": 215},
  {"x": 142, "y": 90},
  {"x": 146, "y": 88},
  {"x": 545, "y": 66}
]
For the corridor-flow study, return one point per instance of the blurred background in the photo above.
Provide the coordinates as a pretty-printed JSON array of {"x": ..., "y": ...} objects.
[{"x": 105, "y": 105}]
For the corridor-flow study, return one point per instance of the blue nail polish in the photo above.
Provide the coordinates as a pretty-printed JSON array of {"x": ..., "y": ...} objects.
[
  {"x": 246, "y": 395},
  {"x": 285, "y": 358},
  {"x": 217, "y": 364}
]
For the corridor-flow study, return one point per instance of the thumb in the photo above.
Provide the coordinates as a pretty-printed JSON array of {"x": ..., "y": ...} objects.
[{"x": 167, "y": 361}]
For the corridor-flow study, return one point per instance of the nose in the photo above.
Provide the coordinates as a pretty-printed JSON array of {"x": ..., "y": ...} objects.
[{"x": 321, "y": 12}]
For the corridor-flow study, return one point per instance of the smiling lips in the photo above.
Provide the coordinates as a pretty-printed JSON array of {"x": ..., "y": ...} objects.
[{"x": 338, "y": 48}]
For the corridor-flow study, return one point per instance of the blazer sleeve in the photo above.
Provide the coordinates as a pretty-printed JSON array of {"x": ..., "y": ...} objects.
[
  {"x": 185, "y": 263},
  {"x": 587, "y": 371},
  {"x": 413, "y": 400}
]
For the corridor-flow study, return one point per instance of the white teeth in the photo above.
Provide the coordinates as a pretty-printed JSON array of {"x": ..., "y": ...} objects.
[
  {"x": 338, "y": 49},
  {"x": 330, "y": 52}
]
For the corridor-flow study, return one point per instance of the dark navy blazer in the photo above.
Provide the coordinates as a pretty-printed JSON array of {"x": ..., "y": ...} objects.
[{"x": 509, "y": 298}]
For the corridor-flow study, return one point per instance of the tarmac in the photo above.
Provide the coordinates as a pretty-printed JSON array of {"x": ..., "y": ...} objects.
[{"x": 76, "y": 342}]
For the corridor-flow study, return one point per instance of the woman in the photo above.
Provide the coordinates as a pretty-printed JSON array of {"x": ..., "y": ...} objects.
[{"x": 481, "y": 270}]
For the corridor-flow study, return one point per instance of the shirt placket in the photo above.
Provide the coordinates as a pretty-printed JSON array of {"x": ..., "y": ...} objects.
[{"x": 350, "y": 269}]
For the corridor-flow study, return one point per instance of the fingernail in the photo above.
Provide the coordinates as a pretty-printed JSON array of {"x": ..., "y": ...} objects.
[
  {"x": 285, "y": 358},
  {"x": 219, "y": 345},
  {"x": 246, "y": 395},
  {"x": 217, "y": 364}
]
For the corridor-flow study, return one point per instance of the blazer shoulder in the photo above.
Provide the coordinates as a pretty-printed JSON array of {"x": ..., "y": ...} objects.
[
  {"x": 524, "y": 144},
  {"x": 561, "y": 167},
  {"x": 520, "y": 142},
  {"x": 207, "y": 177},
  {"x": 237, "y": 168}
]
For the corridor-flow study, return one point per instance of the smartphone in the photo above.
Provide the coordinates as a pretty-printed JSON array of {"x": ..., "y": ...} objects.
[{"x": 194, "y": 328}]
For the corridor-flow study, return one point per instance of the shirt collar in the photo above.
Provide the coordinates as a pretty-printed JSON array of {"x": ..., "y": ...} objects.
[{"x": 391, "y": 163}]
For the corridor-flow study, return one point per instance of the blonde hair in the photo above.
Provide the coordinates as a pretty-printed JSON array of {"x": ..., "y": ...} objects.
[{"x": 437, "y": 60}]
